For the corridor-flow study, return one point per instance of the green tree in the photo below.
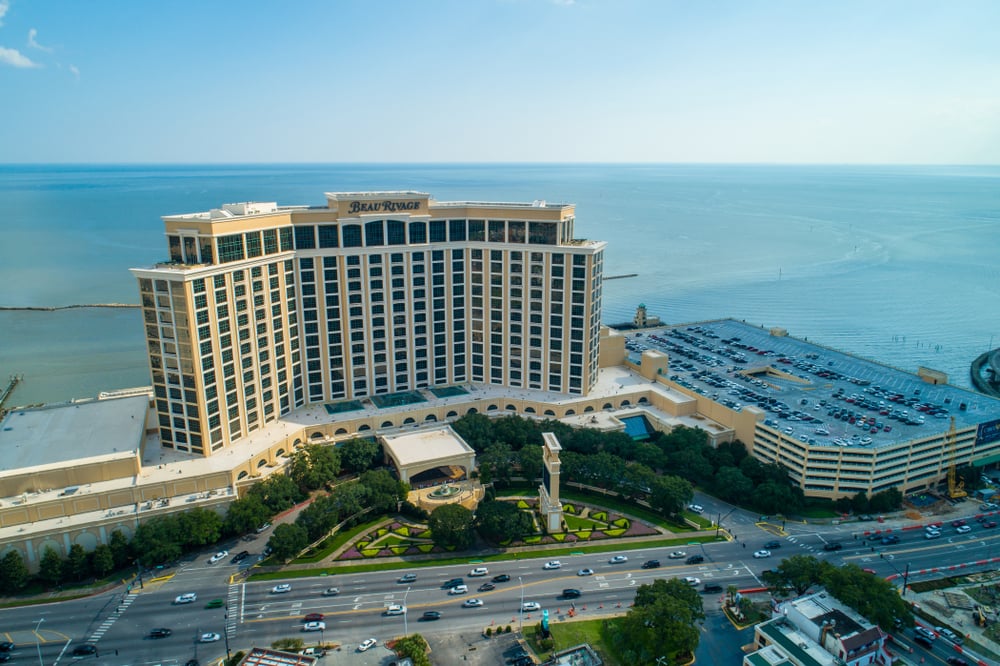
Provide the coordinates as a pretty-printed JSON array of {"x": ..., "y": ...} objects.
[
  {"x": 887, "y": 500},
  {"x": 670, "y": 494},
  {"x": 859, "y": 503},
  {"x": 199, "y": 527},
  {"x": 278, "y": 492},
  {"x": 451, "y": 527},
  {"x": 359, "y": 454},
  {"x": 102, "y": 560},
  {"x": 287, "y": 541},
  {"x": 495, "y": 464},
  {"x": 732, "y": 485},
  {"x": 873, "y": 597},
  {"x": 245, "y": 515},
  {"x": 121, "y": 549},
  {"x": 314, "y": 466},
  {"x": 529, "y": 459},
  {"x": 660, "y": 623},
  {"x": 77, "y": 566},
  {"x": 499, "y": 522},
  {"x": 319, "y": 518},
  {"x": 476, "y": 429},
  {"x": 13, "y": 571},
  {"x": 777, "y": 497},
  {"x": 798, "y": 573},
  {"x": 383, "y": 491},
  {"x": 158, "y": 541},
  {"x": 414, "y": 647},
  {"x": 50, "y": 568}
]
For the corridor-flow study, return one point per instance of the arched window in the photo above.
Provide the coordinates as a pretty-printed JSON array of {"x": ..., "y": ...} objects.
[
  {"x": 261, "y": 463},
  {"x": 511, "y": 408},
  {"x": 363, "y": 427},
  {"x": 242, "y": 475},
  {"x": 430, "y": 417},
  {"x": 408, "y": 421},
  {"x": 452, "y": 414},
  {"x": 549, "y": 412},
  {"x": 492, "y": 408},
  {"x": 570, "y": 412},
  {"x": 374, "y": 233},
  {"x": 341, "y": 431},
  {"x": 529, "y": 410},
  {"x": 387, "y": 424}
]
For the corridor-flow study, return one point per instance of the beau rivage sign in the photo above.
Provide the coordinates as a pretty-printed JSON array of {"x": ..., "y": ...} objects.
[{"x": 387, "y": 206}]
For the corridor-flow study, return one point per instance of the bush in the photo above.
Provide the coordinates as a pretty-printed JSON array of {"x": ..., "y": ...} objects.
[
  {"x": 288, "y": 644},
  {"x": 489, "y": 632}
]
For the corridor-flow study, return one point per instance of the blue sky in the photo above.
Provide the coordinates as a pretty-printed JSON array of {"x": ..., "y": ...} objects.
[{"x": 500, "y": 81}]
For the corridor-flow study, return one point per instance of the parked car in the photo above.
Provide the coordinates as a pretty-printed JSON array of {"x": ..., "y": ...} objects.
[
  {"x": 263, "y": 527},
  {"x": 925, "y": 632},
  {"x": 950, "y": 635},
  {"x": 367, "y": 644},
  {"x": 696, "y": 508},
  {"x": 240, "y": 556}
]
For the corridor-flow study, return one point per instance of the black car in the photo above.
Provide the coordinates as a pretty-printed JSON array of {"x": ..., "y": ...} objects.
[
  {"x": 240, "y": 556},
  {"x": 429, "y": 616},
  {"x": 192, "y": 662},
  {"x": 486, "y": 587},
  {"x": 6, "y": 646},
  {"x": 84, "y": 650},
  {"x": 956, "y": 661},
  {"x": 5, "y": 657},
  {"x": 161, "y": 632},
  {"x": 651, "y": 564},
  {"x": 695, "y": 559},
  {"x": 712, "y": 588},
  {"x": 833, "y": 545},
  {"x": 454, "y": 582},
  {"x": 571, "y": 593},
  {"x": 771, "y": 545},
  {"x": 889, "y": 539},
  {"x": 502, "y": 578},
  {"x": 923, "y": 640}
]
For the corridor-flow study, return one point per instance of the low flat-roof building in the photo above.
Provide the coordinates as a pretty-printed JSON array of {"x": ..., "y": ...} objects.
[{"x": 415, "y": 452}]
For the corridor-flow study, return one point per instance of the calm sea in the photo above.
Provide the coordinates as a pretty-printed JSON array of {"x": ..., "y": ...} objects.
[{"x": 897, "y": 264}]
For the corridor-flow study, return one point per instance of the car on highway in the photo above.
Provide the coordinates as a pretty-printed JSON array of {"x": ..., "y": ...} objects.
[
  {"x": 394, "y": 609},
  {"x": 281, "y": 589},
  {"x": 695, "y": 559},
  {"x": 430, "y": 616},
  {"x": 209, "y": 637},
  {"x": 6, "y": 646},
  {"x": 651, "y": 564},
  {"x": 920, "y": 639},
  {"x": 528, "y": 606},
  {"x": 957, "y": 523},
  {"x": 950, "y": 635},
  {"x": 890, "y": 539},
  {"x": 692, "y": 581},
  {"x": 932, "y": 535},
  {"x": 215, "y": 603},
  {"x": 618, "y": 559},
  {"x": 459, "y": 589},
  {"x": 240, "y": 556},
  {"x": 833, "y": 545},
  {"x": 478, "y": 571},
  {"x": 331, "y": 591},
  {"x": 486, "y": 587},
  {"x": 956, "y": 661},
  {"x": 221, "y": 555},
  {"x": 925, "y": 632},
  {"x": 963, "y": 529},
  {"x": 314, "y": 626},
  {"x": 711, "y": 588},
  {"x": 313, "y": 617},
  {"x": 585, "y": 572},
  {"x": 677, "y": 555},
  {"x": 502, "y": 578},
  {"x": 407, "y": 578},
  {"x": 760, "y": 554},
  {"x": 552, "y": 564},
  {"x": 84, "y": 650},
  {"x": 771, "y": 545},
  {"x": 187, "y": 598},
  {"x": 989, "y": 524},
  {"x": 448, "y": 584},
  {"x": 571, "y": 593},
  {"x": 160, "y": 632},
  {"x": 472, "y": 603},
  {"x": 367, "y": 644}
]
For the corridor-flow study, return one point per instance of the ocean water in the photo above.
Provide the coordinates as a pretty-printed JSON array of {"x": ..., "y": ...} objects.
[{"x": 897, "y": 264}]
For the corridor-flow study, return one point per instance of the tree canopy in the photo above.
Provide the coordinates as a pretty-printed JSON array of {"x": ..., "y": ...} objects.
[
  {"x": 499, "y": 522},
  {"x": 661, "y": 623},
  {"x": 451, "y": 527}
]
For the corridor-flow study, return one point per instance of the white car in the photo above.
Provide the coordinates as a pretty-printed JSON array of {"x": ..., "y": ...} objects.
[
  {"x": 692, "y": 581},
  {"x": 585, "y": 572},
  {"x": 696, "y": 508},
  {"x": 618, "y": 559},
  {"x": 331, "y": 591},
  {"x": 962, "y": 529},
  {"x": 472, "y": 603},
  {"x": 459, "y": 589},
  {"x": 950, "y": 635},
  {"x": 281, "y": 589},
  {"x": 188, "y": 598},
  {"x": 528, "y": 606},
  {"x": 221, "y": 555},
  {"x": 760, "y": 554},
  {"x": 367, "y": 644},
  {"x": 314, "y": 626},
  {"x": 677, "y": 555},
  {"x": 926, "y": 633},
  {"x": 478, "y": 571},
  {"x": 209, "y": 638},
  {"x": 395, "y": 609},
  {"x": 553, "y": 564}
]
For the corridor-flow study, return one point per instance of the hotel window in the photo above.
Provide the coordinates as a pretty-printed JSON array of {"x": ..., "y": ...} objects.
[
  {"x": 174, "y": 243},
  {"x": 253, "y": 244},
  {"x": 328, "y": 235},
  {"x": 305, "y": 238},
  {"x": 438, "y": 232},
  {"x": 230, "y": 248},
  {"x": 374, "y": 233},
  {"x": 351, "y": 237},
  {"x": 206, "y": 251},
  {"x": 270, "y": 241},
  {"x": 542, "y": 233},
  {"x": 396, "y": 232},
  {"x": 477, "y": 230},
  {"x": 286, "y": 236},
  {"x": 515, "y": 232},
  {"x": 418, "y": 233},
  {"x": 497, "y": 231},
  {"x": 456, "y": 230}
]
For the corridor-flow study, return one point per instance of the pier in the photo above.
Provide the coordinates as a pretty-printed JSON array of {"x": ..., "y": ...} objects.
[{"x": 11, "y": 385}]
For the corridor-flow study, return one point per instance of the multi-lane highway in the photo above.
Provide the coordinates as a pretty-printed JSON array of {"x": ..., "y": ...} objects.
[{"x": 252, "y": 614}]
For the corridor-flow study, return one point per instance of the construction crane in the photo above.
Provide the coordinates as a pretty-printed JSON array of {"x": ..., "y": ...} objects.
[{"x": 956, "y": 487}]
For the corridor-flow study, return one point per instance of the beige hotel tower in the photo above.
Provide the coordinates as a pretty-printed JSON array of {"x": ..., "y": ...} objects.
[{"x": 263, "y": 309}]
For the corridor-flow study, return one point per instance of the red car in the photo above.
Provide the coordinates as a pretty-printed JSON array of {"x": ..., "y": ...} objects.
[
  {"x": 313, "y": 617},
  {"x": 957, "y": 523},
  {"x": 989, "y": 524}
]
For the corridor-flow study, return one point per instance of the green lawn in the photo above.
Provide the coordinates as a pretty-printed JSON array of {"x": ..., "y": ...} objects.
[
  {"x": 568, "y": 634},
  {"x": 336, "y": 541},
  {"x": 575, "y": 523}
]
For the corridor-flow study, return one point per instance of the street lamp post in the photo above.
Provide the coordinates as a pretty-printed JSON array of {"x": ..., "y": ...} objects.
[
  {"x": 225, "y": 635},
  {"x": 406, "y": 611},
  {"x": 520, "y": 624},
  {"x": 38, "y": 644}
]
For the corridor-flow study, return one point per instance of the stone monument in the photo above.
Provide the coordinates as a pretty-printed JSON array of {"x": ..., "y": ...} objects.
[{"x": 548, "y": 493}]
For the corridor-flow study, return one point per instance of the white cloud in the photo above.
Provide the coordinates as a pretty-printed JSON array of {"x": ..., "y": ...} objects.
[
  {"x": 76, "y": 72},
  {"x": 34, "y": 44},
  {"x": 15, "y": 58},
  {"x": 4, "y": 6}
]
